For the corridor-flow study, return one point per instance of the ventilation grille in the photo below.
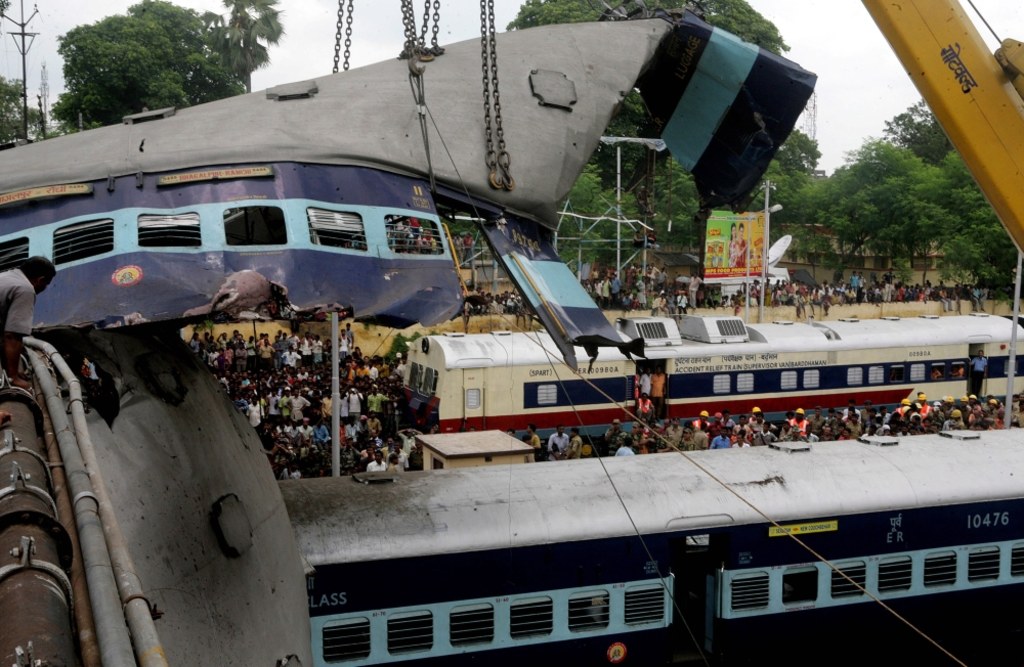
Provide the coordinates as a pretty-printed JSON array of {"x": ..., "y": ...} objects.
[
  {"x": 410, "y": 632},
  {"x": 13, "y": 253},
  {"x": 81, "y": 240},
  {"x": 645, "y": 606},
  {"x": 336, "y": 229},
  {"x": 531, "y": 618},
  {"x": 750, "y": 592},
  {"x": 652, "y": 330},
  {"x": 347, "y": 640}
]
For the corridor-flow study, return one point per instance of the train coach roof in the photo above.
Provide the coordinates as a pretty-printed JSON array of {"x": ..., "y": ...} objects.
[
  {"x": 915, "y": 332},
  {"x": 472, "y": 509}
]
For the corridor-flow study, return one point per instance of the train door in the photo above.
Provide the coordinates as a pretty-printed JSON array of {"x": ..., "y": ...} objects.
[
  {"x": 696, "y": 561},
  {"x": 976, "y": 384}
]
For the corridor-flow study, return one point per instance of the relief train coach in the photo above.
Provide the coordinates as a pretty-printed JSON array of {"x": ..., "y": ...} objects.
[
  {"x": 506, "y": 380},
  {"x": 637, "y": 559}
]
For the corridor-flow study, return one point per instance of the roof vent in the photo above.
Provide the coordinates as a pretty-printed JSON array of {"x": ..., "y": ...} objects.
[
  {"x": 890, "y": 318},
  {"x": 655, "y": 331},
  {"x": 791, "y": 447},
  {"x": 979, "y": 314},
  {"x": 960, "y": 435},
  {"x": 929, "y": 317},
  {"x": 714, "y": 329},
  {"x": 147, "y": 116},
  {"x": 879, "y": 440},
  {"x": 301, "y": 90},
  {"x": 849, "y": 319}
]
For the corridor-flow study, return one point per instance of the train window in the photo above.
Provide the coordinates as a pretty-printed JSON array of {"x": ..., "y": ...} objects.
[
  {"x": 896, "y": 373},
  {"x": 531, "y": 617},
  {"x": 983, "y": 563},
  {"x": 645, "y": 605},
  {"x": 876, "y": 374},
  {"x": 745, "y": 382},
  {"x": 347, "y": 640},
  {"x": 255, "y": 225},
  {"x": 938, "y": 371},
  {"x": 812, "y": 379},
  {"x": 854, "y": 376},
  {"x": 894, "y": 574},
  {"x": 83, "y": 239},
  {"x": 800, "y": 585},
  {"x": 917, "y": 372},
  {"x": 842, "y": 587},
  {"x": 473, "y": 399},
  {"x": 1017, "y": 560},
  {"x": 429, "y": 381},
  {"x": 413, "y": 235},
  {"x": 788, "y": 380},
  {"x": 471, "y": 624},
  {"x": 721, "y": 384},
  {"x": 749, "y": 591},
  {"x": 415, "y": 373},
  {"x": 410, "y": 631},
  {"x": 958, "y": 369},
  {"x": 588, "y": 611},
  {"x": 169, "y": 231},
  {"x": 547, "y": 394},
  {"x": 337, "y": 229},
  {"x": 13, "y": 253},
  {"x": 940, "y": 569}
]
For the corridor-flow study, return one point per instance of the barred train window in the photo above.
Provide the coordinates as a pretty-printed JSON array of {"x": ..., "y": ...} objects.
[
  {"x": 876, "y": 374},
  {"x": 547, "y": 394},
  {"x": 255, "y": 225},
  {"x": 336, "y": 229},
  {"x": 744, "y": 382},
  {"x": 13, "y": 253},
  {"x": 788, "y": 380},
  {"x": 531, "y": 617},
  {"x": 83, "y": 239},
  {"x": 179, "y": 230},
  {"x": 645, "y": 605},
  {"x": 347, "y": 640},
  {"x": 749, "y": 591},
  {"x": 841, "y": 586},
  {"x": 983, "y": 563},
  {"x": 894, "y": 574},
  {"x": 588, "y": 611},
  {"x": 471, "y": 624},
  {"x": 472, "y": 399},
  {"x": 721, "y": 384},
  {"x": 1017, "y": 560},
  {"x": 410, "y": 631},
  {"x": 940, "y": 569},
  {"x": 812, "y": 379},
  {"x": 917, "y": 372},
  {"x": 855, "y": 376}
]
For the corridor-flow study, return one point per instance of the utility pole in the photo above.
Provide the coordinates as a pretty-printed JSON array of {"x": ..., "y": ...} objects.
[{"x": 23, "y": 48}]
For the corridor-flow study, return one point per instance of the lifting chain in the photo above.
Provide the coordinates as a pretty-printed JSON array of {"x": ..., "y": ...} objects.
[
  {"x": 498, "y": 160},
  {"x": 415, "y": 48},
  {"x": 344, "y": 17}
]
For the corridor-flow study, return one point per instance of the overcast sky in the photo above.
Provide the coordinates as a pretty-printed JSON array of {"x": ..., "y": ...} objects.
[{"x": 860, "y": 83}]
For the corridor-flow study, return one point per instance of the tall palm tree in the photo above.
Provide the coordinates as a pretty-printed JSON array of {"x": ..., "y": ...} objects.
[{"x": 243, "y": 36}]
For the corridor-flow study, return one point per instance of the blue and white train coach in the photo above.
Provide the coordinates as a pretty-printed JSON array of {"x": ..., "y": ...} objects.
[
  {"x": 641, "y": 560},
  {"x": 506, "y": 380}
]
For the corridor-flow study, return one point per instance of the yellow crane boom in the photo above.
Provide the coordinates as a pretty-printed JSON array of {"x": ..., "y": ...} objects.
[{"x": 974, "y": 94}]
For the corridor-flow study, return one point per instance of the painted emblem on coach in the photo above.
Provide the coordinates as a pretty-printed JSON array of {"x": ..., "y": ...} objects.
[
  {"x": 127, "y": 276},
  {"x": 616, "y": 653}
]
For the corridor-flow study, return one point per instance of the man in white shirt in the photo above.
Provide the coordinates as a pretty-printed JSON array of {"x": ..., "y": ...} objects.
[{"x": 377, "y": 464}]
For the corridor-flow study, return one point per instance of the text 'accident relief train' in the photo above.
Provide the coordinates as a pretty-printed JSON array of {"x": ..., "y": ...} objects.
[{"x": 507, "y": 380}]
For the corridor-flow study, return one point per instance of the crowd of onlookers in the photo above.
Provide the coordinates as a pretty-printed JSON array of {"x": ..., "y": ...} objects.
[
  {"x": 649, "y": 289},
  {"x": 722, "y": 430},
  {"x": 283, "y": 386}
]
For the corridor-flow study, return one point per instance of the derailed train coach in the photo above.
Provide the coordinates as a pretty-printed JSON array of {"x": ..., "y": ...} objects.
[
  {"x": 506, "y": 380},
  {"x": 850, "y": 551}
]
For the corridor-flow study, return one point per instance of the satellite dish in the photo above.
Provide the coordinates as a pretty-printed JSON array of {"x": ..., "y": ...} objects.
[{"x": 778, "y": 249}]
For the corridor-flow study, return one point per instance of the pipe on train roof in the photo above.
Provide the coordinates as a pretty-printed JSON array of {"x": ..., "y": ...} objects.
[
  {"x": 35, "y": 593},
  {"x": 111, "y": 631}
]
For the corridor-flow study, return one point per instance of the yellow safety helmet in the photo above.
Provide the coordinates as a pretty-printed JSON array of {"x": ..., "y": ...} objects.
[
  {"x": 703, "y": 413},
  {"x": 799, "y": 411},
  {"x": 921, "y": 396},
  {"x": 756, "y": 409},
  {"x": 905, "y": 401}
]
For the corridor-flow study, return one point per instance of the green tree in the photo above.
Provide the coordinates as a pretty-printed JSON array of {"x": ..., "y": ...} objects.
[
  {"x": 242, "y": 38},
  {"x": 917, "y": 130},
  {"x": 155, "y": 56},
  {"x": 11, "y": 110}
]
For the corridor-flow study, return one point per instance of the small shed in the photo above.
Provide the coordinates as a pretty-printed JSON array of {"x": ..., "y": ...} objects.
[{"x": 472, "y": 449}]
